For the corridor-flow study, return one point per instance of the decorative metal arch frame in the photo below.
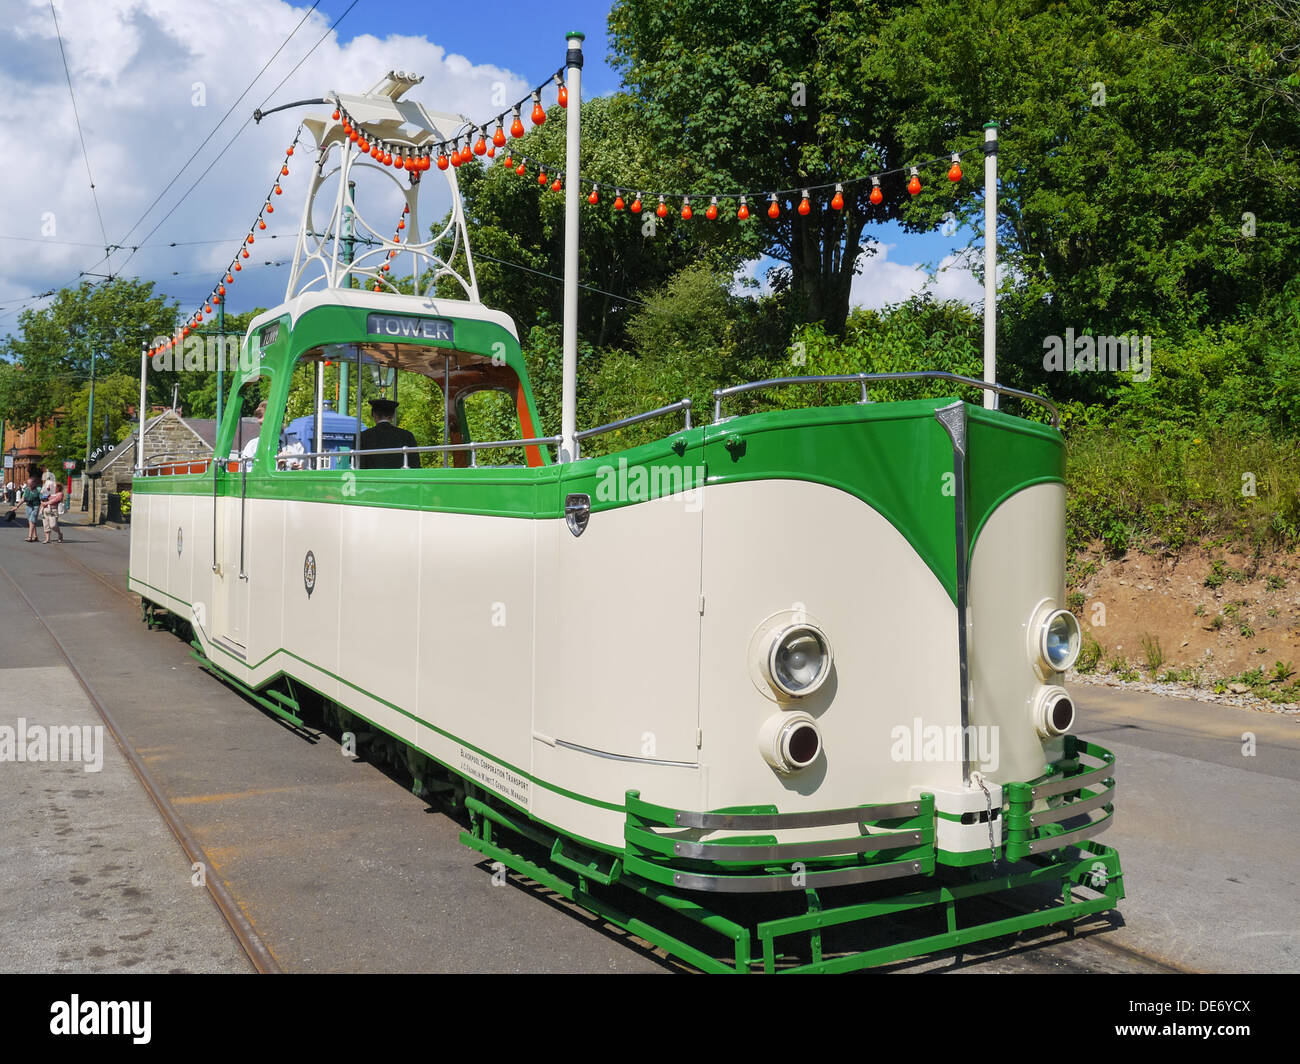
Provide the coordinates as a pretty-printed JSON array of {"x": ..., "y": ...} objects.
[{"x": 320, "y": 259}]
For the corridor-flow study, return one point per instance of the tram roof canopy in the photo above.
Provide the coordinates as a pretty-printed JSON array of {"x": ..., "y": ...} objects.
[{"x": 384, "y": 303}]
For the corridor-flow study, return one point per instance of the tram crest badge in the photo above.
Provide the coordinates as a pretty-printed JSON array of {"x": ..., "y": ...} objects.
[{"x": 309, "y": 573}]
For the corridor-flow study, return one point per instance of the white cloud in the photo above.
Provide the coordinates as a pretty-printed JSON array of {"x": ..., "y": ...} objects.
[
  {"x": 883, "y": 281},
  {"x": 134, "y": 64}
]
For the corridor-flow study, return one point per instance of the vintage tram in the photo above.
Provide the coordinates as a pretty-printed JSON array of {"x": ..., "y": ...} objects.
[{"x": 756, "y": 684}]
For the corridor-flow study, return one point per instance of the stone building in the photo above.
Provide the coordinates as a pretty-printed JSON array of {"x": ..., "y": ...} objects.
[{"x": 167, "y": 436}]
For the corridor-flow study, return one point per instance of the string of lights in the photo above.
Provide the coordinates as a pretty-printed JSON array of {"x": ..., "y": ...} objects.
[
  {"x": 218, "y": 293},
  {"x": 798, "y": 198},
  {"x": 463, "y": 147}
]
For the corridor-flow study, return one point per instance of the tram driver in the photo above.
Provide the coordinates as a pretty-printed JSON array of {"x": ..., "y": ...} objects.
[{"x": 385, "y": 435}]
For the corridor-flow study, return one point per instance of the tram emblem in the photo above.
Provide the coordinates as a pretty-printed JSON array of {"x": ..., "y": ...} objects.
[
  {"x": 309, "y": 573},
  {"x": 180, "y": 541},
  {"x": 577, "y": 512}
]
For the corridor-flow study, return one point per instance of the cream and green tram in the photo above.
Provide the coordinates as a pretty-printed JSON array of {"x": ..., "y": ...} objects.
[{"x": 746, "y": 690}]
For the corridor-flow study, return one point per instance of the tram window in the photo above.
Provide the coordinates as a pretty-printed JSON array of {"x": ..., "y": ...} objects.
[
  {"x": 347, "y": 386},
  {"x": 251, "y": 400},
  {"x": 490, "y": 414},
  {"x": 419, "y": 379}
]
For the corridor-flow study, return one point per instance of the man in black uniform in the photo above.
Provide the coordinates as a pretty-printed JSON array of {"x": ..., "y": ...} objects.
[{"x": 385, "y": 434}]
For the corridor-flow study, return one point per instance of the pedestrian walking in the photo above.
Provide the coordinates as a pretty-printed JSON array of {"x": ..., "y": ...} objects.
[
  {"x": 32, "y": 502},
  {"x": 50, "y": 511}
]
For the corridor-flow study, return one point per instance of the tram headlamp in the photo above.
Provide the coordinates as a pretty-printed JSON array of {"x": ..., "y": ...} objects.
[
  {"x": 789, "y": 742},
  {"x": 1055, "y": 638},
  {"x": 1053, "y": 712},
  {"x": 798, "y": 659}
]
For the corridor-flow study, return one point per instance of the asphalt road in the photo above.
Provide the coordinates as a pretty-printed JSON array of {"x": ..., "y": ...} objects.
[{"x": 340, "y": 868}]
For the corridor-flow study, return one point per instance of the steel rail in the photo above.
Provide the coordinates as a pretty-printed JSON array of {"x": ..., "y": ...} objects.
[{"x": 245, "y": 934}]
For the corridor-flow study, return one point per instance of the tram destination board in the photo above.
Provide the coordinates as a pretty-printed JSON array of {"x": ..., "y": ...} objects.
[{"x": 403, "y": 325}]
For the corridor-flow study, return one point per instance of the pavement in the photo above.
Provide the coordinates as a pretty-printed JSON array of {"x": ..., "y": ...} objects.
[{"x": 340, "y": 868}]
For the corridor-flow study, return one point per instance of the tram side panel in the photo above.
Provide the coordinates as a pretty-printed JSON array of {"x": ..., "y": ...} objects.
[
  {"x": 1017, "y": 564},
  {"x": 821, "y": 556},
  {"x": 309, "y": 585},
  {"x": 617, "y": 657},
  {"x": 378, "y": 572},
  {"x": 469, "y": 589}
]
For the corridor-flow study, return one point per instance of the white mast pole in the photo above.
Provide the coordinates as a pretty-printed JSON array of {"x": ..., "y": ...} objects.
[
  {"x": 569, "y": 401},
  {"x": 990, "y": 262},
  {"x": 139, "y": 440}
]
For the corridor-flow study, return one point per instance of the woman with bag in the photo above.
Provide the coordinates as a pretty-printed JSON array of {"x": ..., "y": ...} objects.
[{"x": 31, "y": 497}]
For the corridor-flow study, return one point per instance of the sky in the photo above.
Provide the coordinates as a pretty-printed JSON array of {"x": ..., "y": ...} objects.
[{"x": 153, "y": 78}]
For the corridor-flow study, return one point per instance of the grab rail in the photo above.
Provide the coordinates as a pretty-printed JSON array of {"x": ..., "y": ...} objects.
[
  {"x": 437, "y": 448},
  {"x": 635, "y": 419},
  {"x": 865, "y": 378}
]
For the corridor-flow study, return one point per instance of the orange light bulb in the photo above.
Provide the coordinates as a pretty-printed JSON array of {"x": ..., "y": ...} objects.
[
  {"x": 618, "y": 202},
  {"x": 499, "y": 137},
  {"x": 954, "y": 171},
  {"x": 773, "y": 208},
  {"x": 743, "y": 212},
  {"x": 539, "y": 115},
  {"x": 516, "y": 125},
  {"x": 804, "y": 206},
  {"x": 914, "y": 185},
  {"x": 711, "y": 211},
  {"x": 636, "y": 204},
  {"x": 686, "y": 209},
  {"x": 480, "y": 146},
  {"x": 555, "y": 185},
  {"x": 837, "y": 200},
  {"x": 877, "y": 197},
  {"x": 520, "y": 169},
  {"x": 594, "y": 198},
  {"x": 662, "y": 209}
]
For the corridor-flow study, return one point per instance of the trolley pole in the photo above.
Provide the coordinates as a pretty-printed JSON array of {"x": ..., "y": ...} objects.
[
  {"x": 569, "y": 391},
  {"x": 139, "y": 438},
  {"x": 990, "y": 262}
]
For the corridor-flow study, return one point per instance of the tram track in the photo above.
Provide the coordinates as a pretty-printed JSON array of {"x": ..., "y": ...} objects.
[{"x": 257, "y": 951}]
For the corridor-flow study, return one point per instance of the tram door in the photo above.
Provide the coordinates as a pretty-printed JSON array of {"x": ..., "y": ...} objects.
[
  {"x": 230, "y": 623},
  {"x": 233, "y": 529}
]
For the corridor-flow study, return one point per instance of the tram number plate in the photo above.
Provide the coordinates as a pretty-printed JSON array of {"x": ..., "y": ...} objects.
[{"x": 505, "y": 782}]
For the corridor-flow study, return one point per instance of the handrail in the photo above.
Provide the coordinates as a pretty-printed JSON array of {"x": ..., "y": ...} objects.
[
  {"x": 864, "y": 378},
  {"x": 430, "y": 449},
  {"x": 635, "y": 419}
]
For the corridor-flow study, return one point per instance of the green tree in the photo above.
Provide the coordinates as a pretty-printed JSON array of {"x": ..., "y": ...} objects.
[
  {"x": 517, "y": 226},
  {"x": 754, "y": 95},
  {"x": 1149, "y": 156},
  {"x": 48, "y": 361}
]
